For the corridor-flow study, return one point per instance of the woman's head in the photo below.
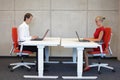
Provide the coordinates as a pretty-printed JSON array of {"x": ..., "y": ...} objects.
[
  {"x": 28, "y": 17},
  {"x": 99, "y": 20}
]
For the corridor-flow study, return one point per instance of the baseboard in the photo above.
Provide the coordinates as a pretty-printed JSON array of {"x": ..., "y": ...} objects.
[
  {"x": 104, "y": 57},
  {"x": 14, "y": 57},
  {"x": 52, "y": 57}
]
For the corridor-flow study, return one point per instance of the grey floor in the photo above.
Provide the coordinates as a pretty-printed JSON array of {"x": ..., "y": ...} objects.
[{"x": 57, "y": 70}]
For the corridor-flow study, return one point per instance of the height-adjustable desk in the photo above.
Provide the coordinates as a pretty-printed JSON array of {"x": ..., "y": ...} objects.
[
  {"x": 73, "y": 43},
  {"x": 41, "y": 45}
]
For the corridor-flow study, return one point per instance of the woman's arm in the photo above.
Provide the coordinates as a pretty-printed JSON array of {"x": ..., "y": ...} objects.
[{"x": 98, "y": 39}]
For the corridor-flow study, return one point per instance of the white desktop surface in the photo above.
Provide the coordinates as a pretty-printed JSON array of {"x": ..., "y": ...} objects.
[
  {"x": 46, "y": 42},
  {"x": 74, "y": 43},
  {"x": 40, "y": 45},
  {"x": 67, "y": 43}
]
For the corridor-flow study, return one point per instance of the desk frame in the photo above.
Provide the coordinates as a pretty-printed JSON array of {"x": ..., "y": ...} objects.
[
  {"x": 74, "y": 58},
  {"x": 79, "y": 67},
  {"x": 41, "y": 45},
  {"x": 47, "y": 55},
  {"x": 40, "y": 65},
  {"x": 73, "y": 43}
]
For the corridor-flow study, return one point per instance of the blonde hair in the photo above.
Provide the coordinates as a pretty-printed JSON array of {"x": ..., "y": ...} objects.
[{"x": 100, "y": 18}]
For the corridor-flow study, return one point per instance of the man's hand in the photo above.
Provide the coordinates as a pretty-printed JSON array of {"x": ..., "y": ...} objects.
[{"x": 34, "y": 37}]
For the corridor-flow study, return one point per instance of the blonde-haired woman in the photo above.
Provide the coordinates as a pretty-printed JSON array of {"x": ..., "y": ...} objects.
[{"x": 97, "y": 37}]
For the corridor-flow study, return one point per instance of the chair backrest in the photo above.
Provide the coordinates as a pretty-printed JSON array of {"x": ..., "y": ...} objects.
[
  {"x": 15, "y": 37},
  {"x": 15, "y": 43},
  {"x": 106, "y": 38}
]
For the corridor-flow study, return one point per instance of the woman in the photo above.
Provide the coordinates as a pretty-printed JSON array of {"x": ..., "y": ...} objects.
[{"x": 98, "y": 37}]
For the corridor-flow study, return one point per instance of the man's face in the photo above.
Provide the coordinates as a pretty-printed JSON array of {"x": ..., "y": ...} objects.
[{"x": 29, "y": 19}]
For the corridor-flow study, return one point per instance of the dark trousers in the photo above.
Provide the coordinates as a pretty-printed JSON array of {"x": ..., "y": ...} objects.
[{"x": 32, "y": 49}]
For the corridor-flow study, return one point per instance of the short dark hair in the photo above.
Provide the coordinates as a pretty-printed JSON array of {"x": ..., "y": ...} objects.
[{"x": 27, "y": 15}]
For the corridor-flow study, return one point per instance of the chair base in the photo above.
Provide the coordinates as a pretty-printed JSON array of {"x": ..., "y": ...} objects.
[
  {"x": 19, "y": 64},
  {"x": 99, "y": 65}
]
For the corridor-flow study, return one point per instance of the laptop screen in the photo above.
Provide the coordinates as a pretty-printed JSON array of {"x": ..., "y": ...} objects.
[
  {"x": 40, "y": 39},
  {"x": 81, "y": 40},
  {"x": 45, "y": 34},
  {"x": 77, "y": 35}
]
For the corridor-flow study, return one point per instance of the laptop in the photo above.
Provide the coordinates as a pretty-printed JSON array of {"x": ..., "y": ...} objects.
[
  {"x": 80, "y": 40},
  {"x": 40, "y": 39}
]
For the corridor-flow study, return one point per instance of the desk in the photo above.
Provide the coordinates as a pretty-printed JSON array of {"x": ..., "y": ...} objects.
[
  {"x": 40, "y": 45},
  {"x": 74, "y": 56},
  {"x": 73, "y": 43},
  {"x": 47, "y": 55}
]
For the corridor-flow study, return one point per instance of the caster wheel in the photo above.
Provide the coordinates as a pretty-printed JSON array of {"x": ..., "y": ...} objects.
[
  {"x": 99, "y": 72},
  {"x": 113, "y": 70},
  {"x": 9, "y": 66},
  {"x": 11, "y": 70},
  {"x": 22, "y": 67},
  {"x": 28, "y": 69}
]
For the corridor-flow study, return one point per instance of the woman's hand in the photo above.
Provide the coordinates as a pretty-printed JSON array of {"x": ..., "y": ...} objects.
[
  {"x": 86, "y": 38},
  {"x": 90, "y": 39}
]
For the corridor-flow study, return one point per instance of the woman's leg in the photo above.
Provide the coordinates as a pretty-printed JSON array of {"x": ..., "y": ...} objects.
[
  {"x": 86, "y": 68},
  {"x": 86, "y": 59}
]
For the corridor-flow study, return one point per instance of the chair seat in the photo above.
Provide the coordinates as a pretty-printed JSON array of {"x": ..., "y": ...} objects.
[
  {"x": 97, "y": 52},
  {"x": 25, "y": 51}
]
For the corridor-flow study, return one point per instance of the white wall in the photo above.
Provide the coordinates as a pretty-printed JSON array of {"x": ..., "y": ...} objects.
[
  {"x": 118, "y": 45},
  {"x": 62, "y": 17}
]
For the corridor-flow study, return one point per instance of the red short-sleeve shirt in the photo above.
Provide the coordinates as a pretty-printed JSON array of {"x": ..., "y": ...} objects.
[
  {"x": 96, "y": 35},
  {"x": 97, "y": 32}
]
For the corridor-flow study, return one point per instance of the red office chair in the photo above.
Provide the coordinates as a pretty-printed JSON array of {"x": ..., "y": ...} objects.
[
  {"x": 17, "y": 51},
  {"x": 105, "y": 48}
]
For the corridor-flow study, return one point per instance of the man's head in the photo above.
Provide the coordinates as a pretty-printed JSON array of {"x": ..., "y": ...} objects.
[{"x": 28, "y": 17}]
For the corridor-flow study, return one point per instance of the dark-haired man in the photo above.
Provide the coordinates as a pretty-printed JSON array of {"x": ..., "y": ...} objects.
[
  {"x": 23, "y": 30},
  {"x": 24, "y": 34}
]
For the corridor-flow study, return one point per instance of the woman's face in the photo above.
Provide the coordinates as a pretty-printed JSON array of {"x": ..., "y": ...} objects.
[{"x": 98, "y": 22}]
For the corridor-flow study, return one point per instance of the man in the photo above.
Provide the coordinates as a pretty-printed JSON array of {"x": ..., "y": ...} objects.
[
  {"x": 23, "y": 30},
  {"x": 24, "y": 34}
]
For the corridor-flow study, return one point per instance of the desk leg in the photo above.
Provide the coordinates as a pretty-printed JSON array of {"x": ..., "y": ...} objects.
[
  {"x": 79, "y": 67},
  {"x": 74, "y": 57},
  {"x": 40, "y": 65},
  {"x": 47, "y": 54}
]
